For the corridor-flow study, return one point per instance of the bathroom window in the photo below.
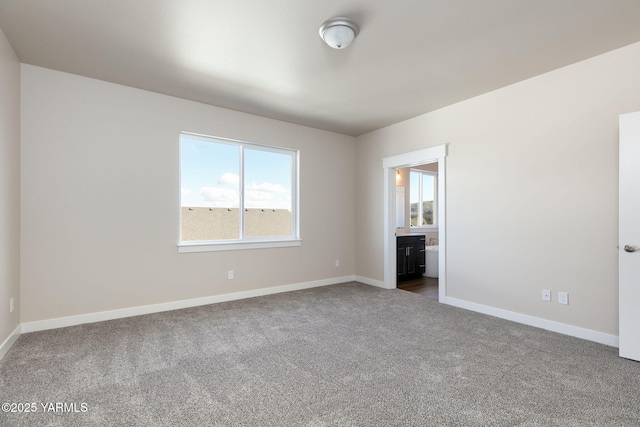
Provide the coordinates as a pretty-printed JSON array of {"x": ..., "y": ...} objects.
[
  {"x": 236, "y": 195},
  {"x": 423, "y": 198}
]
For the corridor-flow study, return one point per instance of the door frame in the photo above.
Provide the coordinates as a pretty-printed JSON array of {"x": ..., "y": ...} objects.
[{"x": 435, "y": 154}]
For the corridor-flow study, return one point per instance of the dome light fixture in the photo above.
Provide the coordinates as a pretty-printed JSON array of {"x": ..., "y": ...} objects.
[{"x": 339, "y": 32}]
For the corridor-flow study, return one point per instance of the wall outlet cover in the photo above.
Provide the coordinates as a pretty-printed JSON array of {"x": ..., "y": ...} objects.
[{"x": 563, "y": 298}]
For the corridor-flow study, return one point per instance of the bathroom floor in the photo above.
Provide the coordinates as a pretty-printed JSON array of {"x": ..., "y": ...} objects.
[{"x": 427, "y": 286}]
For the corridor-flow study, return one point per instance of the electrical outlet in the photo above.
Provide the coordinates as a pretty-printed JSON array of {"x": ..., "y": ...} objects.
[
  {"x": 337, "y": 263},
  {"x": 230, "y": 275},
  {"x": 546, "y": 295},
  {"x": 563, "y": 298},
  {"x": 11, "y": 305}
]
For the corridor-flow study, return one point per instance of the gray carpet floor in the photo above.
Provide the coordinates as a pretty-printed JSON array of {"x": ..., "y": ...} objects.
[{"x": 341, "y": 355}]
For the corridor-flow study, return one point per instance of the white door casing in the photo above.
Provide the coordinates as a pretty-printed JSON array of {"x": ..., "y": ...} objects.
[
  {"x": 435, "y": 154},
  {"x": 629, "y": 237}
]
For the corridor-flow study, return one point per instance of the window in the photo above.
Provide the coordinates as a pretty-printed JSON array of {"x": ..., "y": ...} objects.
[
  {"x": 423, "y": 198},
  {"x": 236, "y": 194}
]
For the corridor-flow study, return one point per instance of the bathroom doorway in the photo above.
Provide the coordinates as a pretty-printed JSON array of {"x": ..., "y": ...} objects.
[
  {"x": 391, "y": 165},
  {"x": 417, "y": 220}
]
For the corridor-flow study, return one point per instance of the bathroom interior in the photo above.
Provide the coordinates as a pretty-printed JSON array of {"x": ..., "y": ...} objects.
[{"x": 417, "y": 187}]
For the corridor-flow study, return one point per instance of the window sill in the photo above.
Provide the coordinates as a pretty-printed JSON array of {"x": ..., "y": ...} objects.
[{"x": 188, "y": 247}]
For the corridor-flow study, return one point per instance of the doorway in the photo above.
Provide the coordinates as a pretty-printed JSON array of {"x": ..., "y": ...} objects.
[
  {"x": 390, "y": 164},
  {"x": 417, "y": 222}
]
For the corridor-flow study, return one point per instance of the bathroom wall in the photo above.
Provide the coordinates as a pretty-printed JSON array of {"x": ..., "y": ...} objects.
[{"x": 402, "y": 180}]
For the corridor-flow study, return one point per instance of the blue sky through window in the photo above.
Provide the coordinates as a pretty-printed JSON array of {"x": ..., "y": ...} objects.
[
  {"x": 210, "y": 176},
  {"x": 428, "y": 187}
]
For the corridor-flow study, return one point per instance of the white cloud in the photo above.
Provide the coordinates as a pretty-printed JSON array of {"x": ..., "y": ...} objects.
[
  {"x": 258, "y": 195},
  {"x": 220, "y": 197},
  {"x": 255, "y": 204},
  {"x": 267, "y": 196},
  {"x": 185, "y": 191},
  {"x": 229, "y": 178},
  {"x": 267, "y": 187},
  {"x": 263, "y": 196}
]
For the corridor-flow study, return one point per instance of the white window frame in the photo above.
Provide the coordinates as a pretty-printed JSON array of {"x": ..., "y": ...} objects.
[
  {"x": 435, "y": 199},
  {"x": 243, "y": 242}
]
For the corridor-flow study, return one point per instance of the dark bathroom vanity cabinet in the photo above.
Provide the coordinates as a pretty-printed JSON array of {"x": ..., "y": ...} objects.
[{"x": 411, "y": 256}]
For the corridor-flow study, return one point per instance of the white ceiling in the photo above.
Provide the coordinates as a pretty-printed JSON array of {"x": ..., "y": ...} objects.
[{"x": 265, "y": 56}]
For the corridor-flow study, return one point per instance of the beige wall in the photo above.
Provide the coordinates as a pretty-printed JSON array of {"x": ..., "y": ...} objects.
[
  {"x": 100, "y": 200},
  {"x": 9, "y": 187},
  {"x": 531, "y": 190}
]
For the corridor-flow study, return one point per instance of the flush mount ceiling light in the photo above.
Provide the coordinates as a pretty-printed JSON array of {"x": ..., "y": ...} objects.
[{"x": 339, "y": 32}]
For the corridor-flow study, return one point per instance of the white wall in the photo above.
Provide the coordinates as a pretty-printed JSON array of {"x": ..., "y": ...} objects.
[
  {"x": 9, "y": 188},
  {"x": 100, "y": 200},
  {"x": 531, "y": 190}
]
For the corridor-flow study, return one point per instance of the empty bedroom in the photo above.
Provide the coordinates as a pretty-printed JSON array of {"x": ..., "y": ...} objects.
[{"x": 209, "y": 211}]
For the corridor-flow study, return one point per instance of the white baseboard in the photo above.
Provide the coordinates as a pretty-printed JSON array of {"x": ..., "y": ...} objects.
[
  {"x": 62, "y": 322},
  {"x": 6, "y": 345},
  {"x": 549, "y": 325},
  {"x": 372, "y": 282}
]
